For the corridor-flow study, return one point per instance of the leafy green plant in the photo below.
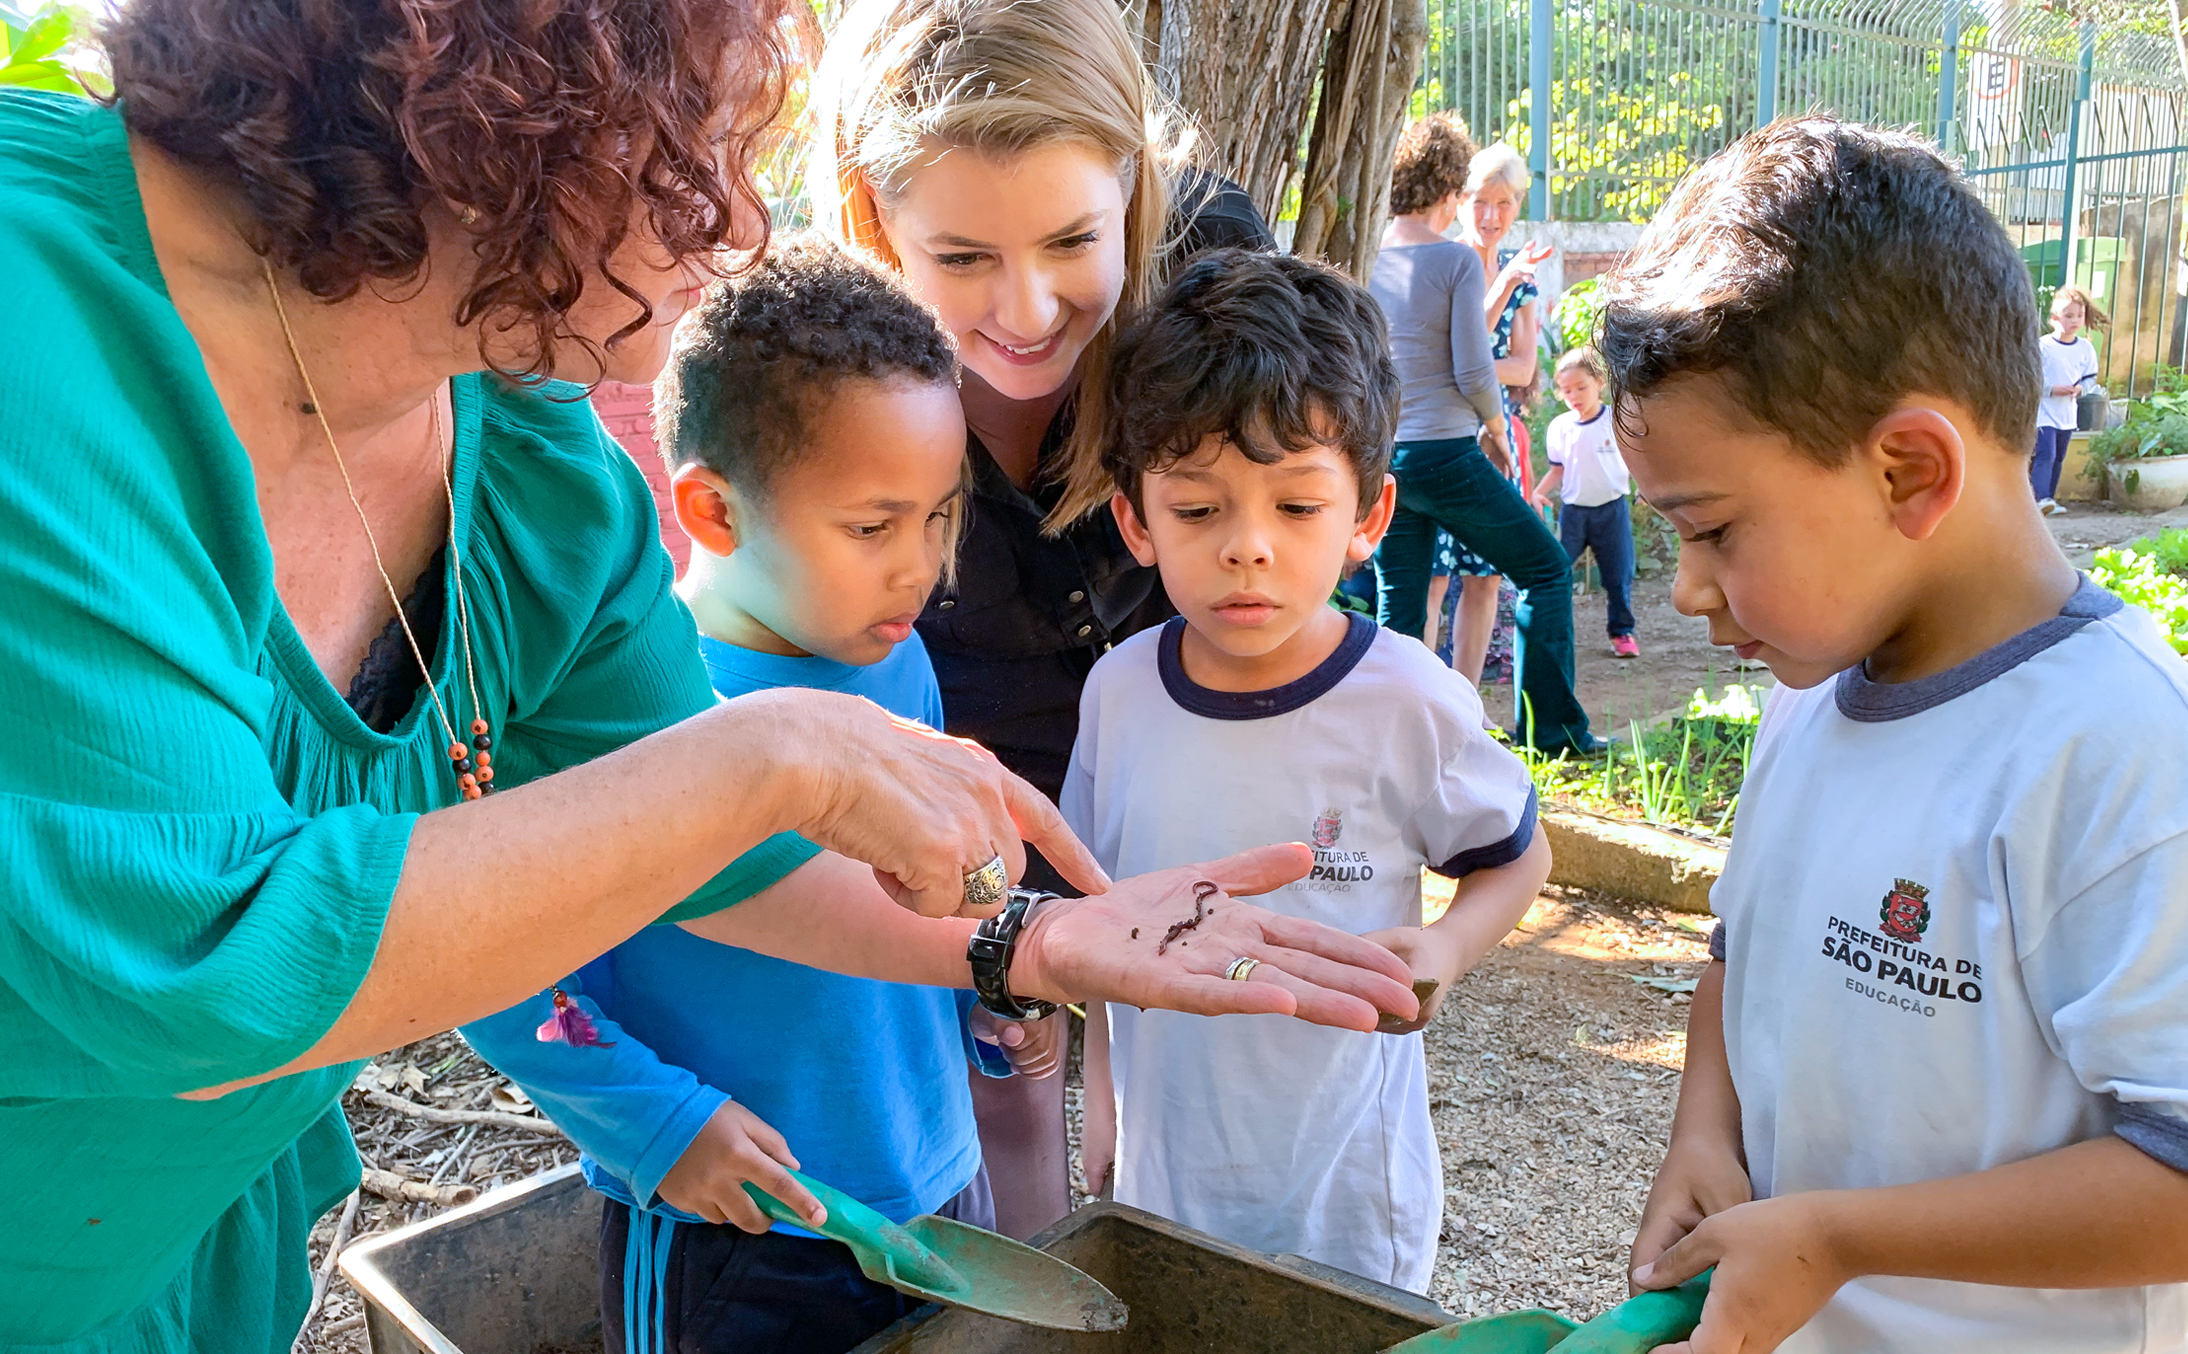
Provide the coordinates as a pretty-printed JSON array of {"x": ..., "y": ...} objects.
[
  {"x": 2156, "y": 426},
  {"x": 1578, "y": 310},
  {"x": 34, "y": 47},
  {"x": 2153, "y": 574},
  {"x": 1685, "y": 773}
]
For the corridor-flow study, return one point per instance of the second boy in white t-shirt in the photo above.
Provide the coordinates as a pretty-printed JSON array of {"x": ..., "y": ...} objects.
[
  {"x": 1251, "y": 462},
  {"x": 1588, "y": 474}
]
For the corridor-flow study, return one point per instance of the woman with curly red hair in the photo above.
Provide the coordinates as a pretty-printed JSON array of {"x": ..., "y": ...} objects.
[{"x": 313, "y": 548}]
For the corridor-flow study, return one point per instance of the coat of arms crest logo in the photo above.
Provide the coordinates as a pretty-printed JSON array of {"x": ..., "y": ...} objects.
[{"x": 1905, "y": 914}]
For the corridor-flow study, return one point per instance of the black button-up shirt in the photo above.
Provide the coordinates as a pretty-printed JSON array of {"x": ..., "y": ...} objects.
[{"x": 1013, "y": 641}]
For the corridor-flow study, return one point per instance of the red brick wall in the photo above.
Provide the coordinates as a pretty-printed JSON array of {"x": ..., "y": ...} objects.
[
  {"x": 1581, "y": 267},
  {"x": 628, "y": 412}
]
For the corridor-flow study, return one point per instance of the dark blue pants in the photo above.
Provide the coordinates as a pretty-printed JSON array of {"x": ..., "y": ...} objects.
[
  {"x": 1607, "y": 529},
  {"x": 1449, "y": 483},
  {"x": 727, "y": 1291},
  {"x": 2043, "y": 471}
]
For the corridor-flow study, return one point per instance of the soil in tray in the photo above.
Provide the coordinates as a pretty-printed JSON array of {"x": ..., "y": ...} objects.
[{"x": 589, "y": 1347}]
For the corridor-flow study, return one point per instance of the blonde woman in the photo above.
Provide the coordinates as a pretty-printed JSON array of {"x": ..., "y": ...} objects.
[{"x": 1010, "y": 159}]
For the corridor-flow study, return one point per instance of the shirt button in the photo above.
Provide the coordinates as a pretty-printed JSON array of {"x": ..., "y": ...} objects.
[
  {"x": 1085, "y": 630},
  {"x": 945, "y": 604},
  {"x": 1078, "y": 597}
]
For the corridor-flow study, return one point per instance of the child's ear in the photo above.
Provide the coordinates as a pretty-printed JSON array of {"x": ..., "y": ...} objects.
[
  {"x": 1921, "y": 462},
  {"x": 1373, "y": 523},
  {"x": 1133, "y": 530},
  {"x": 706, "y": 508}
]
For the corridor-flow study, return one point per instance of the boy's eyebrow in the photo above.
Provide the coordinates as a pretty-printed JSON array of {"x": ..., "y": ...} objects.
[
  {"x": 1208, "y": 476},
  {"x": 1077, "y": 227},
  {"x": 889, "y": 505},
  {"x": 1674, "y": 502}
]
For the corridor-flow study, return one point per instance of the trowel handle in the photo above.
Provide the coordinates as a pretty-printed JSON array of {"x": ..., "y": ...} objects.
[
  {"x": 834, "y": 1200},
  {"x": 880, "y": 1244},
  {"x": 1642, "y": 1322}
]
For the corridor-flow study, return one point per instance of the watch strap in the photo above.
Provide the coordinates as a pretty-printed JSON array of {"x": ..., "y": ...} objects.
[{"x": 989, "y": 954}]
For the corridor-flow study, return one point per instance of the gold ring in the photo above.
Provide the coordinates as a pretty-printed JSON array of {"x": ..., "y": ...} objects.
[
  {"x": 1241, "y": 969},
  {"x": 988, "y": 885}
]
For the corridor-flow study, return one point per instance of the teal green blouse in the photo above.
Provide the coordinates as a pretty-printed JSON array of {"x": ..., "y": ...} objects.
[{"x": 199, "y": 839}]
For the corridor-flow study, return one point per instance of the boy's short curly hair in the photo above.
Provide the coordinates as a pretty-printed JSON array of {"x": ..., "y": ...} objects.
[
  {"x": 1273, "y": 353},
  {"x": 549, "y": 126},
  {"x": 1430, "y": 164},
  {"x": 1825, "y": 271},
  {"x": 761, "y": 355}
]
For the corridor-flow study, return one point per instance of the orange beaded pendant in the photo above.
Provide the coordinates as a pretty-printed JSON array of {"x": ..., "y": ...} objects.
[{"x": 478, "y": 776}]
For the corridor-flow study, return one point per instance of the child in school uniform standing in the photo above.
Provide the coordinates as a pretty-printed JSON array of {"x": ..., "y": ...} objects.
[
  {"x": 1253, "y": 406},
  {"x": 2070, "y": 364},
  {"x": 1589, "y": 477}
]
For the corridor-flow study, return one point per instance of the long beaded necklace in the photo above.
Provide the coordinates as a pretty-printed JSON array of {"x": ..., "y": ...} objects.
[{"x": 473, "y": 765}]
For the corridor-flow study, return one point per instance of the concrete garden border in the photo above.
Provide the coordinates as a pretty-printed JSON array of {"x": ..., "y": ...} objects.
[{"x": 1630, "y": 860}]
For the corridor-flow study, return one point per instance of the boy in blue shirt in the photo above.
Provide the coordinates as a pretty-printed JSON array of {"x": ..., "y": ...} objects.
[{"x": 811, "y": 421}]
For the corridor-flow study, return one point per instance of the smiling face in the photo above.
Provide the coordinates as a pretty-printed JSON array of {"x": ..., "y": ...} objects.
[
  {"x": 1023, "y": 259},
  {"x": 1490, "y": 211},
  {"x": 1795, "y": 564},
  {"x": 839, "y": 554},
  {"x": 1250, "y": 554}
]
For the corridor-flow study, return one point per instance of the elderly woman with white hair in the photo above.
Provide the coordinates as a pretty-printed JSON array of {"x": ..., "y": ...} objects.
[
  {"x": 1496, "y": 183},
  {"x": 1453, "y": 459}
]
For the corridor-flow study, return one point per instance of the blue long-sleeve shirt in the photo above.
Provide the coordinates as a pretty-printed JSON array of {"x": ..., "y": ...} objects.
[{"x": 864, "y": 1079}]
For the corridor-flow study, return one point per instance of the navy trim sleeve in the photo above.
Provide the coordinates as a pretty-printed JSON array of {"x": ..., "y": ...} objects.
[
  {"x": 2157, "y": 1134},
  {"x": 1496, "y": 853}
]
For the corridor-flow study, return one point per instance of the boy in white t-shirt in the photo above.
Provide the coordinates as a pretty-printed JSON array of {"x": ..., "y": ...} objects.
[
  {"x": 1589, "y": 477},
  {"x": 1936, "y": 1090},
  {"x": 1252, "y": 409},
  {"x": 2070, "y": 365}
]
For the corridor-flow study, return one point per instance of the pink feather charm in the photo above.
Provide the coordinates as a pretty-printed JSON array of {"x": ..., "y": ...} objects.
[{"x": 570, "y": 1025}]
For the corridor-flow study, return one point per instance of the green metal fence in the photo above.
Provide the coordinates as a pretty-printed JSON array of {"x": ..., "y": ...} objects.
[{"x": 2076, "y": 137}]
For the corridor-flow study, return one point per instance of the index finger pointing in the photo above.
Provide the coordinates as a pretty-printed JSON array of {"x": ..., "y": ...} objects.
[{"x": 1044, "y": 829}]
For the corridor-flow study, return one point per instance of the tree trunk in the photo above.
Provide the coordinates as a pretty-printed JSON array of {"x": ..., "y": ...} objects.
[
  {"x": 1244, "y": 72},
  {"x": 1367, "y": 83}
]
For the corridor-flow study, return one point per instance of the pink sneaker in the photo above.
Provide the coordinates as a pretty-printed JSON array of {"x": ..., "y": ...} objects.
[{"x": 1624, "y": 647}]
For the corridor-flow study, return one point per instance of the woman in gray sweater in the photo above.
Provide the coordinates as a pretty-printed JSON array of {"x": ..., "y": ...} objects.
[{"x": 1453, "y": 458}]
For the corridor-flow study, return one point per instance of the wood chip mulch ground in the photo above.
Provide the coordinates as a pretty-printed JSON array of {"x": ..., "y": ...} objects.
[{"x": 1552, "y": 1076}]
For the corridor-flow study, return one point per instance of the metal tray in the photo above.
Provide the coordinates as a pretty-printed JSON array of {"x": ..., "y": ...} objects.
[
  {"x": 517, "y": 1272},
  {"x": 1188, "y": 1293}
]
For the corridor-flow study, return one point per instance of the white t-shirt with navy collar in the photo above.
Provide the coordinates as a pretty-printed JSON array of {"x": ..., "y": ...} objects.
[
  {"x": 1263, "y": 1130},
  {"x": 1956, "y": 935},
  {"x": 2065, "y": 364},
  {"x": 1595, "y": 471}
]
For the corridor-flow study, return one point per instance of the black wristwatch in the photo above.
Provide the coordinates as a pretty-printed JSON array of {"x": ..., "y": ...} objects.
[{"x": 989, "y": 953}]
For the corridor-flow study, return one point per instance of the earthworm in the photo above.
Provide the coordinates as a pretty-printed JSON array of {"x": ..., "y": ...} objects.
[{"x": 1202, "y": 892}]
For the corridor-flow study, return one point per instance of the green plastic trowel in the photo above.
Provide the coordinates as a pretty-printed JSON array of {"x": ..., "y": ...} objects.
[
  {"x": 955, "y": 1263},
  {"x": 1634, "y": 1326}
]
